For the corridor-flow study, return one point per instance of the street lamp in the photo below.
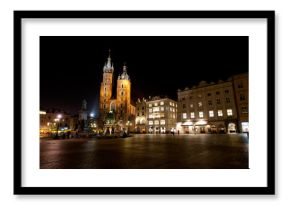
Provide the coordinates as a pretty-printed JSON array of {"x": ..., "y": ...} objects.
[{"x": 57, "y": 120}]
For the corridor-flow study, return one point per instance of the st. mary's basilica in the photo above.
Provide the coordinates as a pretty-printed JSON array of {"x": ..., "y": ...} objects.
[{"x": 116, "y": 113}]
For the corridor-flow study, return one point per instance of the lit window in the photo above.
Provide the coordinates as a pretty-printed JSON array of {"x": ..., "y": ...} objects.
[
  {"x": 162, "y": 122},
  {"x": 220, "y": 113},
  {"x": 155, "y": 104},
  {"x": 150, "y": 110},
  {"x": 211, "y": 113},
  {"x": 199, "y": 104},
  {"x": 150, "y": 122},
  {"x": 156, "y": 122},
  {"x": 161, "y": 103},
  {"x": 161, "y": 108},
  {"x": 192, "y": 115},
  {"x": 184, "y": 116},
  {"x": 150, "y": 105},
  {"x": 191, "y": 105},
  {"x": 229, "y": 112},
  {"x": 173, "y": 110},
  {"x": 199, "y": 95},
  {"x": 170, "y": 103},
  {"x": 200, "y": 114},
  {"x": 173, "y": 116},
  {"x": 155, "y": 109},
  {"x": 150, "y": 115}
]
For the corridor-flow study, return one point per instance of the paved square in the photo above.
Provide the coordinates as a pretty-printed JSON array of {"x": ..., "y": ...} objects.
[{"x": 145, "y": 151}]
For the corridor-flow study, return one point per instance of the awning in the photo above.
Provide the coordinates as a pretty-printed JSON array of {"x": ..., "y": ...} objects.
[
  {"x": 201, "y": 122},
  {"x": 187, "y": 124}
]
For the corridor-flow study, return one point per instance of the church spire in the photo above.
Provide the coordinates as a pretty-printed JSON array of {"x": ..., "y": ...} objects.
[
  {"x": 108, "y": 67},
  {"x": 124, "y": 68}
]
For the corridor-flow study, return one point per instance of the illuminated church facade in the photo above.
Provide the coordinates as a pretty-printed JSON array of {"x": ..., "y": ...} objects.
[{"x": 116, "y": 113}]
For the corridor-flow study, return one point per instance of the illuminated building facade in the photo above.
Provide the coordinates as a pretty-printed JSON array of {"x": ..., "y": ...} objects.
[
  {"x": 208, "y": 108},
  {"x": 56, "y": 119},
  {"x": 161, "y": 114},
  {"x": 140, "y": 120},
  {"x": 116, "y": 113},
  {"x": 241, "y": 88}
]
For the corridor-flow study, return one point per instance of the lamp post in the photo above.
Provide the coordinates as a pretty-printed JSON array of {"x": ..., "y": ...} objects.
[{"x": 57, "y": 120}]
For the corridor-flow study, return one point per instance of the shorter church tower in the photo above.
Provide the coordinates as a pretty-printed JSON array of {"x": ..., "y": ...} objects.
[{"x": 123, "y": 101}]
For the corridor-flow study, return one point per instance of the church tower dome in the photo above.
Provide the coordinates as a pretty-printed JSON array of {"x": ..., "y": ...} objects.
[{"x": 124, "y": 75}]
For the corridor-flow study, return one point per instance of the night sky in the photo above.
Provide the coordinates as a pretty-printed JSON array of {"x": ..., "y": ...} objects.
[{"x": 71, "y": 67}]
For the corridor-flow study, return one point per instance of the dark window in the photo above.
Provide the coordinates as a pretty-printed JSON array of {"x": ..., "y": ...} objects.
[
  {"x": 228, "y": 100},
  {"x": 244, "y": 110},
  {"x": 240, "y": 85},
  {"x": 184, "y": 106},
  {"x": 242, "y": 97},
  {"x": 227, "y": 91},
  {"x": 218, "y": 101},
  {"x": 217, "y": 92},
  {"x": 209, "y": 94},
  {"x": 143, "y": 113},
  {"x": 210, "y": 103}
]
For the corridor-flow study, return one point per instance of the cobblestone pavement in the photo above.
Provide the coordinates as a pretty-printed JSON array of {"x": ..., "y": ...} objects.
[{"x": 147, "y": 152}]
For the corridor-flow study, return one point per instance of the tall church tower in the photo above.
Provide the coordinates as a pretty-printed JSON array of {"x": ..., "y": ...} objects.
[
  {"x": 106, "y": 88},
  {"x": 123, "y": 101}
]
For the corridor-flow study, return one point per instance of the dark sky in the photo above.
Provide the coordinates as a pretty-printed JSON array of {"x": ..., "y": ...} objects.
[{"x": 71, "y": 67}]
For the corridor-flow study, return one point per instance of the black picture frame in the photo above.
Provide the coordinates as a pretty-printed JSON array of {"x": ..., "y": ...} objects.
[{"x": 269, "y": 189}]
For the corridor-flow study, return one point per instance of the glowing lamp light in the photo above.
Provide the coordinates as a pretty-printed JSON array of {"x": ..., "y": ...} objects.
[
  {"x": 59, "y": 116},
  {"x": 92, "y": 115}
]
